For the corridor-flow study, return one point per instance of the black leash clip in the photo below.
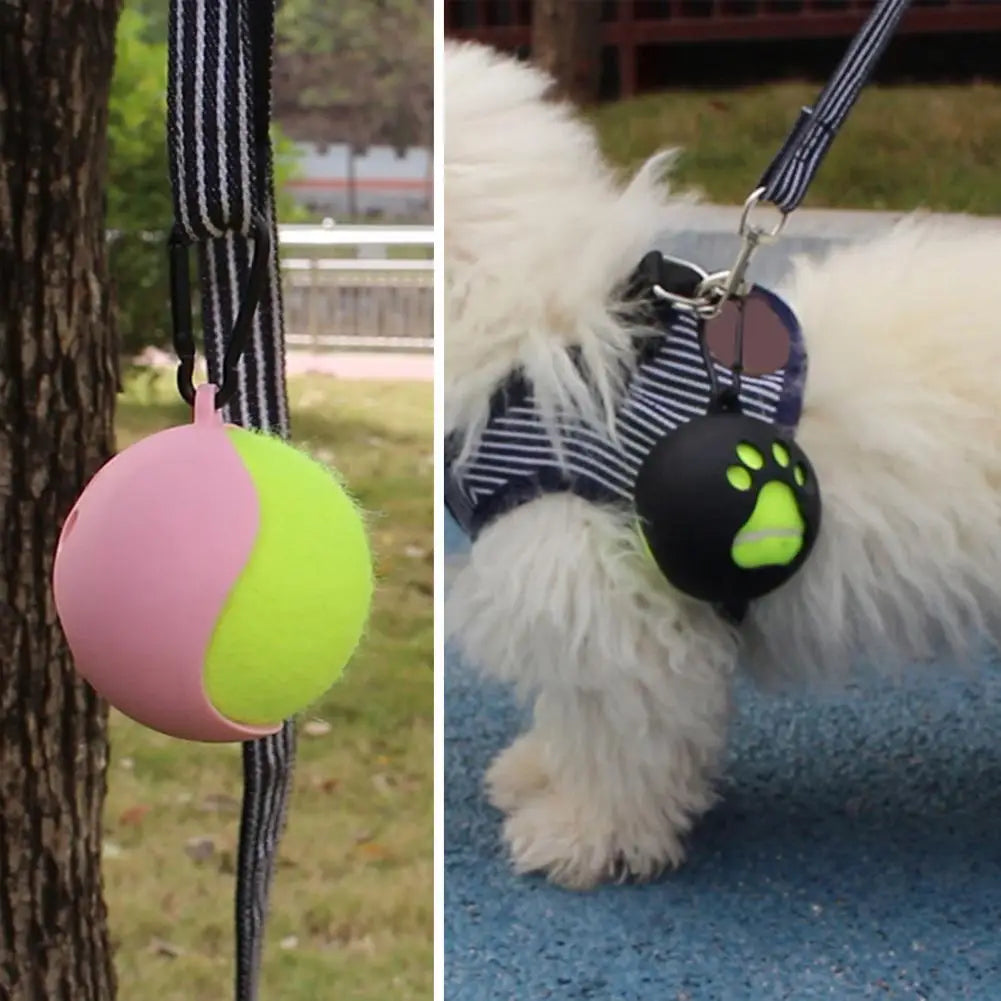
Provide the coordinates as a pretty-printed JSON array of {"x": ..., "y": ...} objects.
[{"x": 181, "y": 312}]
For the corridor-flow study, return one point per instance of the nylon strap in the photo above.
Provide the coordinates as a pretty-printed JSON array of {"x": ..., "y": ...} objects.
[
  {"x": 221, "y": 170},
  {"x": 789, "y": 175}
]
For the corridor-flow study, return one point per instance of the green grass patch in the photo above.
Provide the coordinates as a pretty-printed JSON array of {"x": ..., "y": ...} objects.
[
  {"x": 901, "y": 148},
  {"x": 352, "y": 900},
  {"x": 394, "y": 252}
]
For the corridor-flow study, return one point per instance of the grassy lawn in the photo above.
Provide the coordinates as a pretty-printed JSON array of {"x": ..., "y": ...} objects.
[
  {"x": 352, "y": 901},
  {"x": 901, "y": 147}
]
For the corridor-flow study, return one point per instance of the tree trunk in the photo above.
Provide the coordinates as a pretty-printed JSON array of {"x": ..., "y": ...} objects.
[
  {"x": 566, "y": 43},
  {"x": 57, "y": 392}
]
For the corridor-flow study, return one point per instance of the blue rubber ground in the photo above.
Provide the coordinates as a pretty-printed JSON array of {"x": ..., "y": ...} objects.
[{"x": 857, "y": 854}]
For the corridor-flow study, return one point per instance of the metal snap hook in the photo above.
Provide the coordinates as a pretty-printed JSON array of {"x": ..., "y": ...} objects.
[{"x": 761, "y": 235}]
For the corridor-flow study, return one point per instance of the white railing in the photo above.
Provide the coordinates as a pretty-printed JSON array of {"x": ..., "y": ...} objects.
[
  {"x": 298, "y": 235},
  {"x": 354, "y": 287},
  {"x": 368, "y": 300}
]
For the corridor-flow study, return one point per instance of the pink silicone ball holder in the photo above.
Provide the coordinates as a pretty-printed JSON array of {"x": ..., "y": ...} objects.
[{"x": 143, "y": 568}]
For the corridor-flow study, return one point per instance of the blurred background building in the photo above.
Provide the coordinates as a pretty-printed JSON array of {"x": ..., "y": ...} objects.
[{"x": 333, "y": 180}]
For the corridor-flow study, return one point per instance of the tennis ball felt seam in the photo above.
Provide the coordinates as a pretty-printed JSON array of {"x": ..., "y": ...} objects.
[
  {"x": 296, "y": 614},
  {"x": 775, "y": 527}
]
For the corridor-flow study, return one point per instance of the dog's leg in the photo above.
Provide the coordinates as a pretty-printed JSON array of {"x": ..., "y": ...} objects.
[{"x": 631, "y": 690}]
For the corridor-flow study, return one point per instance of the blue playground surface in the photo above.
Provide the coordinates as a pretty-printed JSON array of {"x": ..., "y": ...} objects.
[{"x": 856, "y": 854}]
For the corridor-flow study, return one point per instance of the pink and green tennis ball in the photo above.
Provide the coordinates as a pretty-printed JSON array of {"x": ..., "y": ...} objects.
[{"x": 213, "y": 581}]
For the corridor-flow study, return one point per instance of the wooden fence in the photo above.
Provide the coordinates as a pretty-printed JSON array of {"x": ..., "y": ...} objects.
[{"x": 629, "y": 25}]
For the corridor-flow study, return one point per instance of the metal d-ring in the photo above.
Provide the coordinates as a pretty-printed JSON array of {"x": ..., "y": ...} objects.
[{"x": 763, "y": 236}]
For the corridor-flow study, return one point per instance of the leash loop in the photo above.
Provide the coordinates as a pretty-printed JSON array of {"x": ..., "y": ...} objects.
[
  {"x": 180, "y": 304},
  {"x": 787, "y": 178}
]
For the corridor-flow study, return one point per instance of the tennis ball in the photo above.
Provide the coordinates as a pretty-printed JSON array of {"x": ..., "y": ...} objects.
[{"x": 213, "y": 581}]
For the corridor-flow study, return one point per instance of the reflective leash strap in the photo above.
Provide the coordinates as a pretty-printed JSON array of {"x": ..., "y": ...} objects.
[
  {"x": 218, "y": 117},
  {"x": 787, "y": 178}
]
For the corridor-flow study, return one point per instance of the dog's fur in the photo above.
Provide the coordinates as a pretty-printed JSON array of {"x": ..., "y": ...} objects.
[{"x": 630, "y": 680}]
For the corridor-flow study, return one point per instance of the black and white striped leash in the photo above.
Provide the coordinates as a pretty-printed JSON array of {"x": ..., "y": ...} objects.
[
  {"x": 221, "y": 169},
  {"x": 785, "y": 182}
]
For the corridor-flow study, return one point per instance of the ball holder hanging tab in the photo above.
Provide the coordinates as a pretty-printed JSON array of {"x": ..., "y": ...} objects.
[{"x": 728, "y": 508}]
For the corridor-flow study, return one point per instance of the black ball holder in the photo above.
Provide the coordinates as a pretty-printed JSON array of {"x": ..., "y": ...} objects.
[
  {"x": 693, "y": 516},
  {"x": 729, "y": 507}
]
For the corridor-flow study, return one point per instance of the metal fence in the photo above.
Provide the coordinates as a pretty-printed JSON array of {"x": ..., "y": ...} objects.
[{"x": 358, "y": 287}]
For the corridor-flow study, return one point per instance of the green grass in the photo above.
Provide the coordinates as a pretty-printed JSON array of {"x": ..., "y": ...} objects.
[
  {"x": 352, "y": 900},
  {"x": 901, "y": 147},
  {"x": 405, "y": 252}
]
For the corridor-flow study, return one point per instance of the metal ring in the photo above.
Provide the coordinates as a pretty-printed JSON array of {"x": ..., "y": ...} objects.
[
  {"x": 711, "y": 286},
  {"x": 701, "y": 305},
  {"x": 683, "y": 302},
  {"x": 746, "y": 228}
]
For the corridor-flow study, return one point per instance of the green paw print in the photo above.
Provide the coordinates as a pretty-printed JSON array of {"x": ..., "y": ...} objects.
[{"x": 774, "y": 533}]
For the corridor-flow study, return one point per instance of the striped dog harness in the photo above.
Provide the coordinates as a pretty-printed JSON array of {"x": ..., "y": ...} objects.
[{"x": 516, "y": 460}]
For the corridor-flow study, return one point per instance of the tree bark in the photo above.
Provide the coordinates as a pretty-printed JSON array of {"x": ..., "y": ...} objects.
[
  {"x": 566, "y": 43},
  {"x": 57, "y": 390}
]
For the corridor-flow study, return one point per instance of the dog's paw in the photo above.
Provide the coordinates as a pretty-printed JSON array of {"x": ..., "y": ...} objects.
[
  {"x": 577, "y": 848},
  {"x": 517, "y": 774}
]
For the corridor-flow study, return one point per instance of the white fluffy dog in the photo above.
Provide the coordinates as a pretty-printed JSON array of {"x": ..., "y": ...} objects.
[{"x": 630, "y": 679}]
